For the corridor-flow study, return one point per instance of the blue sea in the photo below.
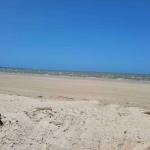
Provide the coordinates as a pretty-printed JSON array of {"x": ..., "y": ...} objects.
[{"x": 117, "y": 76}]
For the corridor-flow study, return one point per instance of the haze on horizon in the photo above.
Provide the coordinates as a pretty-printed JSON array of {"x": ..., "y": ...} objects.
[{"x": 100, "y": 36}]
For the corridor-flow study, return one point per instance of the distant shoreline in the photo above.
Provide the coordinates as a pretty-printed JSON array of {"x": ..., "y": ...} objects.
[
  {"x": 75, "y": 71},
  {"x": 96, "y": 75},
  {"x": 74, "y": 77}
]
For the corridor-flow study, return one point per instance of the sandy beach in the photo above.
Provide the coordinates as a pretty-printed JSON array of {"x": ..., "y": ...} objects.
[
  {"x": 51, "y": 112},
  {"x": 107, "y": 91}
]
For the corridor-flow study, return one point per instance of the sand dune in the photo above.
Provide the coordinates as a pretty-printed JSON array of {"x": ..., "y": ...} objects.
[{"x": 43, "y": 124}]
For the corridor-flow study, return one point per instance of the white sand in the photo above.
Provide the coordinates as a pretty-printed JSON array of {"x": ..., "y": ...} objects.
[{"x": 71, "y": 125}]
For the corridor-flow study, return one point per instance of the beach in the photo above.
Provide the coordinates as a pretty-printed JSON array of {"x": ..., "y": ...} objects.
[
  {"x": 53, "y": 112},
  {"x": 107, "y": 91}
]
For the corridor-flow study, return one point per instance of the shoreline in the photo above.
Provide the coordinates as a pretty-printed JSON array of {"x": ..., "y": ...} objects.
[{"x": 76, "y": 77}]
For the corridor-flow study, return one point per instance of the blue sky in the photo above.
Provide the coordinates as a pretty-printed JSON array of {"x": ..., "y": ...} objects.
[{"x": 84, "y": 35}]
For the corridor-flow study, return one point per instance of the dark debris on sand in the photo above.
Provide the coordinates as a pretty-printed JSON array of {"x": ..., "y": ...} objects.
[
  {"x": 148, "y": 112},
  {"x": 1, "y": 123}
]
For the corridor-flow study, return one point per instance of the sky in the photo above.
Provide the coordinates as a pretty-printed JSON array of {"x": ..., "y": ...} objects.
[{"x": 77, "y": 35}]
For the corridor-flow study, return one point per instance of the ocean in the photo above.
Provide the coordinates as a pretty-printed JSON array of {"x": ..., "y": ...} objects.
[{"x": 117, "y": 76}]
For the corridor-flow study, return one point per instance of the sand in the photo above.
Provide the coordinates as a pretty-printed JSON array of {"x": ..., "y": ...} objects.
[
  {"x": 59, "y": 113},
  {"x": 125, "y": 92}
]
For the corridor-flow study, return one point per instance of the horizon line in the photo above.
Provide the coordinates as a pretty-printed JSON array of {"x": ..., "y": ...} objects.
[{"x": 73, "y": 70}]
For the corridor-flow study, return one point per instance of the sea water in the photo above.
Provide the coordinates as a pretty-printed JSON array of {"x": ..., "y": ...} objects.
[{"x": 117, "y": 76}]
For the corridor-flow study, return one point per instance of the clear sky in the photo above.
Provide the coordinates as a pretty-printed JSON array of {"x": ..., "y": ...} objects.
[{"x": 84, "y": 35}]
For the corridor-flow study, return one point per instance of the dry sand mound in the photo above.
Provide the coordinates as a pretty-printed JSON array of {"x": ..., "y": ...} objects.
[{"x": 37, "y": 124}]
